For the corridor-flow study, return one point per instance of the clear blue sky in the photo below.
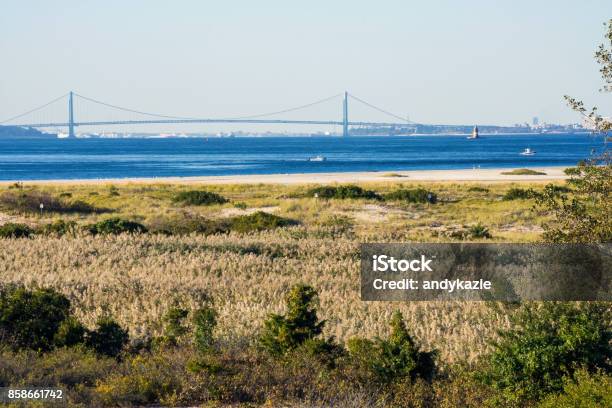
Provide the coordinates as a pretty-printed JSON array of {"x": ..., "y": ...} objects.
[{"x": 438, "y": 61}]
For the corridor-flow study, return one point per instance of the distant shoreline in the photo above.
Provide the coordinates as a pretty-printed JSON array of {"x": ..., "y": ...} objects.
[
  {"x": 460, "y": 175},
  {"x": 155, "y": 136}
]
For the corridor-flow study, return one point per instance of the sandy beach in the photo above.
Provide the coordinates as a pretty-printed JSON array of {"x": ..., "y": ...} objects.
[{"x": 463, "y": 175}]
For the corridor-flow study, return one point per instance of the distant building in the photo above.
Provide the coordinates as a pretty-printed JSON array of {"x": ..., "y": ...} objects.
[{"x": 535, "y": 121}]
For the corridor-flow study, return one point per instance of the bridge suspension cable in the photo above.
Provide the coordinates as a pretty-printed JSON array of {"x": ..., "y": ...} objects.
[
  {"x": 261, "y": 115},
  {"x": 379, "y": 109},
  {"x": 130, "y": 110},
  {"x": 34, "y": 110},
  {"x": 329, "y": 98}
]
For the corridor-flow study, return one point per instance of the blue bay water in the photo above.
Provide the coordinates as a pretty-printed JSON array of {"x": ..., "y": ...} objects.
[{"x": 44, "y": 159}]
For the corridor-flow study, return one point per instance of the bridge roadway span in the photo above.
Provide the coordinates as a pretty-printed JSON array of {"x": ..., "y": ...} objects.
[{"x": 252, "y": 121}]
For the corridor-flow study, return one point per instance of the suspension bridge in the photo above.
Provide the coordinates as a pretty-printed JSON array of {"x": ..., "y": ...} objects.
[{"x": 70, "y": 101}]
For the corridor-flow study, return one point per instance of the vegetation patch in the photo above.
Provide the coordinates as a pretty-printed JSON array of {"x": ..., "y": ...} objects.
[
  {"x": 31, "y": 201},
  {"x": 418, "y": 195},
  {"x": 187, "y": 223},
  {"x": 116, "y": 226},
  {"x": 479, "y": 231},
  {"x": 478, "y": 189},
  {"x": 343, "y": 192},
  {"x": 58, "y": 228},
  {"x": 199, "y": 197},
  {"x": 394, "y": 358},
  {"x": 11, "y": 230},
  {"x": 41, "y": 320},
  {"x": 518, "y": 194},
  {"x": 259, "y": 221},
  {"x": 548, "y": 341},
  {"x": 394, "y": 175},
  {"x": 523, "y": 172}
]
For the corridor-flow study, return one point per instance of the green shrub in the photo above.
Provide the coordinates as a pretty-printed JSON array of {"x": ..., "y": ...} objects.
[
  {"x": 523, "y": 172},
  {"x": 343, "y": 192},
  {"x": 555, "y": 189},
  {"x": 585, "y": 390},
  {"x": 11, "y": 230},
  {"x": 478, "y": 189},
  {"x": 258, "y": 221},
  {"x": 174, "y": 327},
  {"x": 325, "y": 351},
  {"x": 69, "y": 333},
  {"x": 479, "y": 231},
  {"x": 204, "y": 323},
  {"x": 418, "y": 195},
  {"x": 394, "y": 358},
  {"x": 518, "y": 194},
  {"x": 31, "y": 318},
  {"x": 546, "y": 343},
  {"x": 241, "y": 205},
  {"x": 116, "y": 226},
  {"x": 196, "y": 197},
  {"x": 282, "y": 333},
  {"x": 585, "y": 216},
  {"x": 108, "y": 339},
  {"x": 59, "y": 228}
]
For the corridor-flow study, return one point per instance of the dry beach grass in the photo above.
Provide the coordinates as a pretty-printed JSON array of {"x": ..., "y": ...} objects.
[{"x": 137, "y": 277}]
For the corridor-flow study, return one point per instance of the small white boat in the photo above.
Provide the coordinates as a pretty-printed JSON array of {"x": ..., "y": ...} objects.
[
  {"x": 318, "y": 158},
  {"x": 528, "y": 152}
]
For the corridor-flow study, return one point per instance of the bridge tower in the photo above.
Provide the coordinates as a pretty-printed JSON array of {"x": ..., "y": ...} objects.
[
  {"x": 70, "y": 117},
  {"x": 345, "y": 131}
]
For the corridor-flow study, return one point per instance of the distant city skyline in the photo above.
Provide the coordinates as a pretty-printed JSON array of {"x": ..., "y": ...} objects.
[{"x": 442, "y": 62}]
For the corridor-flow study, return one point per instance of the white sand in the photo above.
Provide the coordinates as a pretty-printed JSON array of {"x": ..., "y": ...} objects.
[{"x": 485, "y": 175}]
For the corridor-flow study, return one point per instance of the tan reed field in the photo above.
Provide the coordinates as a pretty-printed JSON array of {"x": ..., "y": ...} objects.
[{"x": 136, "y": 278}]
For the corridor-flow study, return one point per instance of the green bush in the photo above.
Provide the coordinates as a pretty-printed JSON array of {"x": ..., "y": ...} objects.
[
  {"x": 174, "y": 327},
  {"x": 258, "y": 221},
  {"x": 59, "y": 228},
  {"x": 116, "y": 226},
  {"x": 282, "y": 333},
  {"x": 31, "y": 318},
  {"x": 204, "y": 323},
  {"x": 394, "y": 358},
  {"x": 197, "y": 197},
  {"x": 585, "y": 390},
  {"x": 518, "y": 194},
  {"x": 418, "y": 195},
  {"x": 108, "y": 339},
  {"x": 343, "y": 192},
  {"x": 546, "y": 343},
  {"x": 11, "y": 230},
  {"x": 479, "y": 231},
  {"x": 523, "y": 172},
  {"x": 69, "y": 333},
  {"x": 585, "y": 216},
  {"x": 478, "y": 189}
]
